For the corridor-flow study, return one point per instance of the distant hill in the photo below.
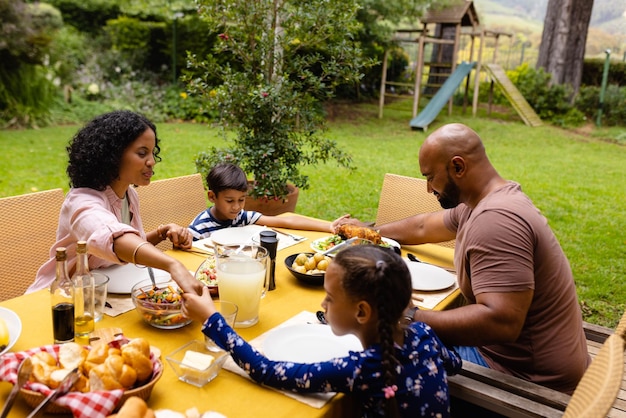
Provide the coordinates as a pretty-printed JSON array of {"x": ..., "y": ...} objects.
[
  {"x": 524, "y": 18},
  {"x": 607, "y": 15}
]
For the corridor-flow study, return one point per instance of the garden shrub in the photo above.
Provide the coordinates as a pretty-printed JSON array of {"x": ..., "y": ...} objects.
[
  {"x": 69, "y": 50},
  {"x": 593, "y": 70},
  {"x": 179, "y": 105},
  {"x": 45, "y": 17},
  {"x": 26, "y": 94},
  {"x": 87, "y": 16},
  {"x": 614, "y": 109},
  {"x": 139, "y": 43}
]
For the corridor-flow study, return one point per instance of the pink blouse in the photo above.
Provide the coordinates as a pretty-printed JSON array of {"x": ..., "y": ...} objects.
[{"x": 95, "y": 217}]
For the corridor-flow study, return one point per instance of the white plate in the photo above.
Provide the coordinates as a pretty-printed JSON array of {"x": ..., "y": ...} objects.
[
  {"x": 13, "y": 324},
  {"x": 427, "y": 277},
  {"x": 308, "y": 343},
  {"x": 123, "y": 277},
  {"x": 316, "y": 243},
  {"x": 236, "y": 235}
]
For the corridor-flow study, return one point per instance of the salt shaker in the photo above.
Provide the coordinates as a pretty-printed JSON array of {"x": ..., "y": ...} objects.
[{"x": 271, "y": 245}]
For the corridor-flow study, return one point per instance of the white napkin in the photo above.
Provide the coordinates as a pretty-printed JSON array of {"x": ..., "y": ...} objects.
[
  {"x": 284, "y": 241},
  {"x": 316, "y": 400}
]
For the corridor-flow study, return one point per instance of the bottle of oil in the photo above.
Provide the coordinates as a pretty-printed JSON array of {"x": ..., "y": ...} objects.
[
  {"x": 84, "y": 293},
  {"x": 62, "y": 301}
]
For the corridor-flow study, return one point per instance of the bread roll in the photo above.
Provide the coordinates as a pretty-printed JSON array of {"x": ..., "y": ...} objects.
[
  {"x": 112, "y": 374},
  {"x": 134, "y": 407},
  {"x": 43, "y": 366},
  {"x": 72, "y": 355},
  {"x": 136, "y": 354},
  {"x": 98, "y": 355}
]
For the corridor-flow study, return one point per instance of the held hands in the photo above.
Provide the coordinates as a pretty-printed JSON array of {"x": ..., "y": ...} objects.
[
  {"x": 185, "y": 279},
  {"x": 197, "y": 307},
  {"x": 180, "y": 236},
  {"x": 340, "y": 221},
  {"x": 346, "y": 220}
]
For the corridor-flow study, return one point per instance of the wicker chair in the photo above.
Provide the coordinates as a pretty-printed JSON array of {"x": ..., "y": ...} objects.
[
  {"x": 28, "y": 224},
  {"x": 174, "y": 200},
  {"x": 401, "y": 197},
  {"x": 597, "y": 390}
]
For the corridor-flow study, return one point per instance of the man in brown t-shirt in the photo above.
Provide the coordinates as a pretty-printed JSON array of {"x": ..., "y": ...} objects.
[{"x": 522, "y": 313}]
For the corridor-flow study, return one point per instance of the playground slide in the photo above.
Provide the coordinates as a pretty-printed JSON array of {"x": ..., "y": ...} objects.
[
  {"x": 439, "y": 100},
  {"x": 519, "y": 103}
]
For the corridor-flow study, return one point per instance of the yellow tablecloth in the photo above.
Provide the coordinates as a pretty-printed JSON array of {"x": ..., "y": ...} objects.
[{"x": 229, "y": 393}]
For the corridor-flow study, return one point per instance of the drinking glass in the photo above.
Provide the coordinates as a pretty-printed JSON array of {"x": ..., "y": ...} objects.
[
  {"x": 100, "y": 282},
  {"x": 242, "y": 279},
  {"x": 229, "y": 312}
]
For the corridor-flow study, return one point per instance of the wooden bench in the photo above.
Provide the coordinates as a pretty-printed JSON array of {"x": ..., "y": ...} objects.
[{"x": 513, "y": 397}]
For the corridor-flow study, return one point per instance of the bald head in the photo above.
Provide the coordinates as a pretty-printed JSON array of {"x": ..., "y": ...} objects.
[
  {"x": 454, "y": 139},
  {"x": 455, "y": 164}
]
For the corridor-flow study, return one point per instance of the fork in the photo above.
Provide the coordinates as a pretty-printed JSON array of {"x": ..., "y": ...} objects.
[{"x": 296, "y": 238}]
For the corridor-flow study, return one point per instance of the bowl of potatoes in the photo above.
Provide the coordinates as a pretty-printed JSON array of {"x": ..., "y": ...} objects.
[{"x": 308, "y": 268}]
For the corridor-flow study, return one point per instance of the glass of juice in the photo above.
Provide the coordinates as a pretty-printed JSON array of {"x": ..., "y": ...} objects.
[{"x": 242, "y": 279}]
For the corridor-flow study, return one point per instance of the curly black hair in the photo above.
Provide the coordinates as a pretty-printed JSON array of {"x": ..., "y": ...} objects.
[{"x": 95, "y": 152}]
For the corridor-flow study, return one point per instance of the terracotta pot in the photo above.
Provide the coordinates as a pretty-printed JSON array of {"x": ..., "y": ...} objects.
[{"x": 274, "y": 207}]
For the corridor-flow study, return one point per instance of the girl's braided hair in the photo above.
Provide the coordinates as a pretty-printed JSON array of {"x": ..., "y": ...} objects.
[{"x": 380, "y": 277}]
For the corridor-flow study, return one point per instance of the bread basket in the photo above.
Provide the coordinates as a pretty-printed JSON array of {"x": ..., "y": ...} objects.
[
  {"x": 34, "y": 398},
  {"x": 105, "y": 335}
]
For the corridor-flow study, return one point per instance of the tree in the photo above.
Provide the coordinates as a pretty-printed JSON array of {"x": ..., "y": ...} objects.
[
  {"x": 562, "y": 49},
  {"x": 274, "y": 63}
]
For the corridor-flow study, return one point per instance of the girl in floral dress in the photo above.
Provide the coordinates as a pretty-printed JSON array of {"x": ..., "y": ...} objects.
[{"x": 402, "y": 372}]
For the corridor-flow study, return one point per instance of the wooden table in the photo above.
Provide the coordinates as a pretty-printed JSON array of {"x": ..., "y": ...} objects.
[{"x": 228, "y": 394}]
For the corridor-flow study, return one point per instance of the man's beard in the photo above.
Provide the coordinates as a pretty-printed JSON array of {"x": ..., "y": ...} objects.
[{"x": 450, "y": 197}]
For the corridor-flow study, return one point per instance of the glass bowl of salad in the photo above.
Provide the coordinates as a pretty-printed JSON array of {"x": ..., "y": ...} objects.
[
  {"x": 160, "y": 305},
  {"x": 206, "y": 273}
]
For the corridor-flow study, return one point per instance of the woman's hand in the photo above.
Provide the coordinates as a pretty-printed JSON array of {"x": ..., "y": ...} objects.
[
  {"x": 179, "y": 235},
  {"x": 185, "y": 279},
  {"x": 198, "y": 307}
]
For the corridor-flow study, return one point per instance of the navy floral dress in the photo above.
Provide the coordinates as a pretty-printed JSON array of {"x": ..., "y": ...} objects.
[{"x": 422, "y": 381}]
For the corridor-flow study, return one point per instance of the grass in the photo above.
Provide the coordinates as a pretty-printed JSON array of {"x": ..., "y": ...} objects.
[{"x": 577, "y": 181}]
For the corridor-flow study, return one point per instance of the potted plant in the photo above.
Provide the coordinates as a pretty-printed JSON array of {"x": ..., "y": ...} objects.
[{"x": 275, "y": 62}]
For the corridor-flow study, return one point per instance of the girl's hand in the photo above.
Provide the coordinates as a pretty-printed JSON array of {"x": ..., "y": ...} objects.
[{"x": 197, "y": 307}]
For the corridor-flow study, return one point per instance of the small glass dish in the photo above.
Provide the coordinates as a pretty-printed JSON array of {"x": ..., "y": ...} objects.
[{"x": 189, "y": 362}]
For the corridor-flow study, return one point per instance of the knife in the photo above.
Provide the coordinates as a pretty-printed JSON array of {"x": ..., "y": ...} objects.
[
  {"x": 64, "y": 387},
  {"x": 412, "y": 257}
]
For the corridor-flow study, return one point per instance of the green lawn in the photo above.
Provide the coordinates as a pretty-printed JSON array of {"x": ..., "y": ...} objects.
[{"x": 577, "y": 181}]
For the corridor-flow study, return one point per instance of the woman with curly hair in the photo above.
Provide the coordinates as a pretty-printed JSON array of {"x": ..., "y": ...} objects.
[
  {"x": 402, "y": 371},
  {"x": 107, "y": 156}
]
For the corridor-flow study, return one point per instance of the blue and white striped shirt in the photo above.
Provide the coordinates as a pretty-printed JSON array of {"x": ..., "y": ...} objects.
[{"x": 203, "y": 224}]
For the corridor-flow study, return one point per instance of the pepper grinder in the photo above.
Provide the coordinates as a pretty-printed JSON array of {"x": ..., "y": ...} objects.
[{"x": 271, "y": 245}]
